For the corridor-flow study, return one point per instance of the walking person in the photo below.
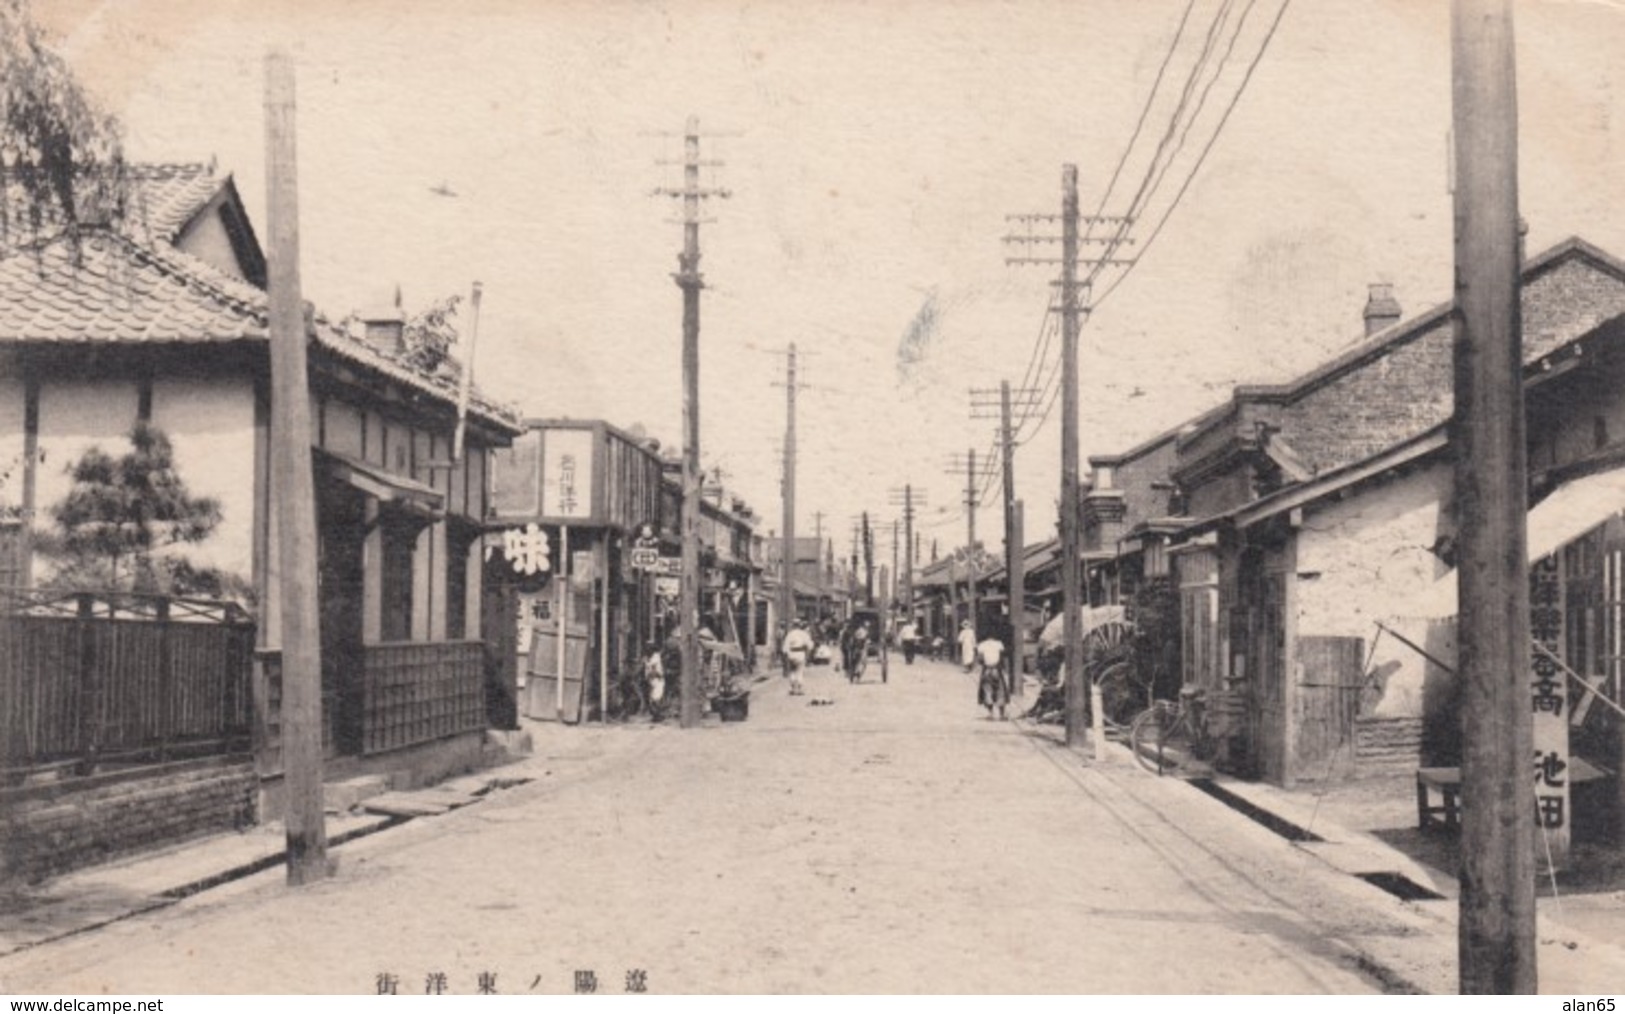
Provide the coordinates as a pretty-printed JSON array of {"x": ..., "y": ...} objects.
[
  {"x": 992, "y": 691},
  {"x": 967, "y": 645},
  {"x": 654, "y": 677},
  {"x": 909, "y": 635},
  {"x": 798, "y": 648}
]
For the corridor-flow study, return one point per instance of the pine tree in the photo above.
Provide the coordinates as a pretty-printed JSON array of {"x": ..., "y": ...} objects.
[{"x": 120, "y": 512}]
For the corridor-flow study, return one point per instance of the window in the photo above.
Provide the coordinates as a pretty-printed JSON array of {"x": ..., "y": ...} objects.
[
  {"x": 399, "y": 541},
  {"x": 1199, "y": 616},
  {"x": 460, "y": 539}
]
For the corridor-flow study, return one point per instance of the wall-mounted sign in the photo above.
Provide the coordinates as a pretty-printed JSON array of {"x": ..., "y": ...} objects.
[
  {"x": 645, "y": 552},
  {"x": 525, "y": 549},
  {"x": 670, "y": 566},
  {"x": 567, "y": 480},
  {"x": 668, "y": 587}
]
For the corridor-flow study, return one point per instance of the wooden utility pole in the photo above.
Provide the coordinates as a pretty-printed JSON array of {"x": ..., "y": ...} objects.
[
  {"x": 969, "y": 467},
  {"x": 868, "y": 562},
  {"x": 691, "y": 281},
  {"x": 787, "y": 592},
  {"x": 895, "y": 546},
  {"x": 908, "y": 499},
  {"x": 970, "y": 542},
  {"x": 294, "y": 488},
  {"x": 1072, "y": 309},
  {"x": 1018, "y": 602},
  {"x": 818, "y": 537},
  {"x": 1002, "y": 402},
  {"x": 1497, "y": 907}
]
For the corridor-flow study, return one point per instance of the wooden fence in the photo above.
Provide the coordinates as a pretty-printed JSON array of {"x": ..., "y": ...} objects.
[
  {"x": 89, "y": 678},
  {"x": 416, "y": 692},
  {"x": 410, "y": 693}
]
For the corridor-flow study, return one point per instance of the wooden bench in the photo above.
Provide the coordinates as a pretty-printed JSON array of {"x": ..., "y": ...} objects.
[{"x": 1447, "y": 782}]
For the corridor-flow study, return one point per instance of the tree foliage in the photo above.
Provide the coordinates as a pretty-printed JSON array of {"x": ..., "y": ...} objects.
[
  {"x": 122, "y": 512},
  {"x": 63, "y": 160},
  {"x": 430, "y": 333}
]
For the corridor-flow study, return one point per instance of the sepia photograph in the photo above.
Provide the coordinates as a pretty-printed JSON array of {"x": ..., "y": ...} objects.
[{"x": 672, "y": 497}]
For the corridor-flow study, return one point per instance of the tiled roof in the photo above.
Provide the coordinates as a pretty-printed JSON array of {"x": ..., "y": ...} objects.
[
  {"x": 160, "y": 199},
  {"x": 165, "y": 197},
  {"x": 122, "y": 291}
]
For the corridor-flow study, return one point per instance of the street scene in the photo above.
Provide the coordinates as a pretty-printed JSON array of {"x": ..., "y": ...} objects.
[{"x": 1103, "y": 498}]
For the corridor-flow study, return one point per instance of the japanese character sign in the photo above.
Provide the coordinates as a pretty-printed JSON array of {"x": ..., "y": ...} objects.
[
  {"x": 567, "y": 477},
  {"x": 526, "y": 549},
  {"x": 1548, "y": 701}
]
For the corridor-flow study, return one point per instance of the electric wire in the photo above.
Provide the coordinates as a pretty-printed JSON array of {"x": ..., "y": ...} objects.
[{"x": 1201, "y": 158}]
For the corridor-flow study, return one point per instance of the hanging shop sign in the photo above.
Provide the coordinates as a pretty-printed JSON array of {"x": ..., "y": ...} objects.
[
  {"x": 645, "y": 551},
  {"x": 526, "y": 549}
]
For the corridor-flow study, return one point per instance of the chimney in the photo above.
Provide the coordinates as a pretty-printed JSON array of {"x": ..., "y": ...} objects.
[
  {"x": 384, "y": 325},
  {"x": 1381, "y": 308}
]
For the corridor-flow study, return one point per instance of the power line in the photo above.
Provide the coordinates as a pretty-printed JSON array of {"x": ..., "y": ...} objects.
[
  {"x": 1149, "y": 187},
  {"x": 1246, "y": 78},
  {"x": 1048, "y": 328}
]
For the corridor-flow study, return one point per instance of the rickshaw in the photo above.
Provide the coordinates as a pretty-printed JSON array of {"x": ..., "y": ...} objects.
[{"x": 874, "y": 647}]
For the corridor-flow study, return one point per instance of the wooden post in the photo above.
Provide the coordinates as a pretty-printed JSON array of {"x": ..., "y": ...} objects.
[
  {"x": 90, "y": 686},
  {"x": 465, "y": 383},
  {"x": 1497, "y": 908},
  {"x": 1017, "y": 572},
  {"x": 293, "y": 488},
  {"x": 603, "y": 627},
  {"x": 561, "y": 577},
  {"x": 691, "y": 282},
  {"x": 1077, "y": 700}
]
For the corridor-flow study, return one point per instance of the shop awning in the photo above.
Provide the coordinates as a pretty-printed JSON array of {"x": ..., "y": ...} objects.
[
  {"x": 1573, "y": 509},
  {"x": 387, "y": 488},
  {"x": 1568, "y": 512}
]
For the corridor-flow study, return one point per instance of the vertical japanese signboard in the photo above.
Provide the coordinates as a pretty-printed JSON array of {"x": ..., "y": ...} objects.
[
  {"x": 567, "y": 474},
  {"x": 1550, "y": 704}
]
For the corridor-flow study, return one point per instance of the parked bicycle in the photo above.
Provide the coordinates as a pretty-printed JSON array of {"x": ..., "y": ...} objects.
[
  {"x": 639, "y": 690},
  {"x": 1176, "y": 737}
]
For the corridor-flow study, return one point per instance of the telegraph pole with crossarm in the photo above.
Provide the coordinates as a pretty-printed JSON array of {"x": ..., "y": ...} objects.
[
  {"x": 909, "y": 499},
  {"x": 982, "y": 402},
  {"x": 968, "y": 465},
  {"x": 1072, "y": 298},
  {"x": 690, "y": 280}
]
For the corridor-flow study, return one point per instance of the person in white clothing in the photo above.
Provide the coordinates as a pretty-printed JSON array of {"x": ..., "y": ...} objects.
[
  {"x": 967, "y": 645},
  {"x": 798, "y": 649},
  {"x": 992, "y": 691}
]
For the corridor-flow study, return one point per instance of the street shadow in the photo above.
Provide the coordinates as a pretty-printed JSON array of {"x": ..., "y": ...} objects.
[{"x": 1596, "y": 857}]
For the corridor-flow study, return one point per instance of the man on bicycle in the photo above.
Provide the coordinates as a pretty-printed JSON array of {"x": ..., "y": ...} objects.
[{"x": 992, "y": 691}]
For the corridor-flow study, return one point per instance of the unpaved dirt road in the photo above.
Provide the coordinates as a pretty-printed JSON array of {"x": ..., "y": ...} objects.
[{"x": 893, "y": 841}]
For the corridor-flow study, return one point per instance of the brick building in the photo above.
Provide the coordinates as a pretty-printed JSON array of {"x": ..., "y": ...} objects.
[{"x": 1298, "y": 515}]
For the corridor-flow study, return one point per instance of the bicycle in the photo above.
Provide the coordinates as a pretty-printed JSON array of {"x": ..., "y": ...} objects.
[
  {"x": 629, "y": 696},
  {"x": 1174, "y": 737}
]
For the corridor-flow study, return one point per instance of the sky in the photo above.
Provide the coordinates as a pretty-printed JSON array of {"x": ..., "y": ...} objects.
[{"x": 872, "y": 152}]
